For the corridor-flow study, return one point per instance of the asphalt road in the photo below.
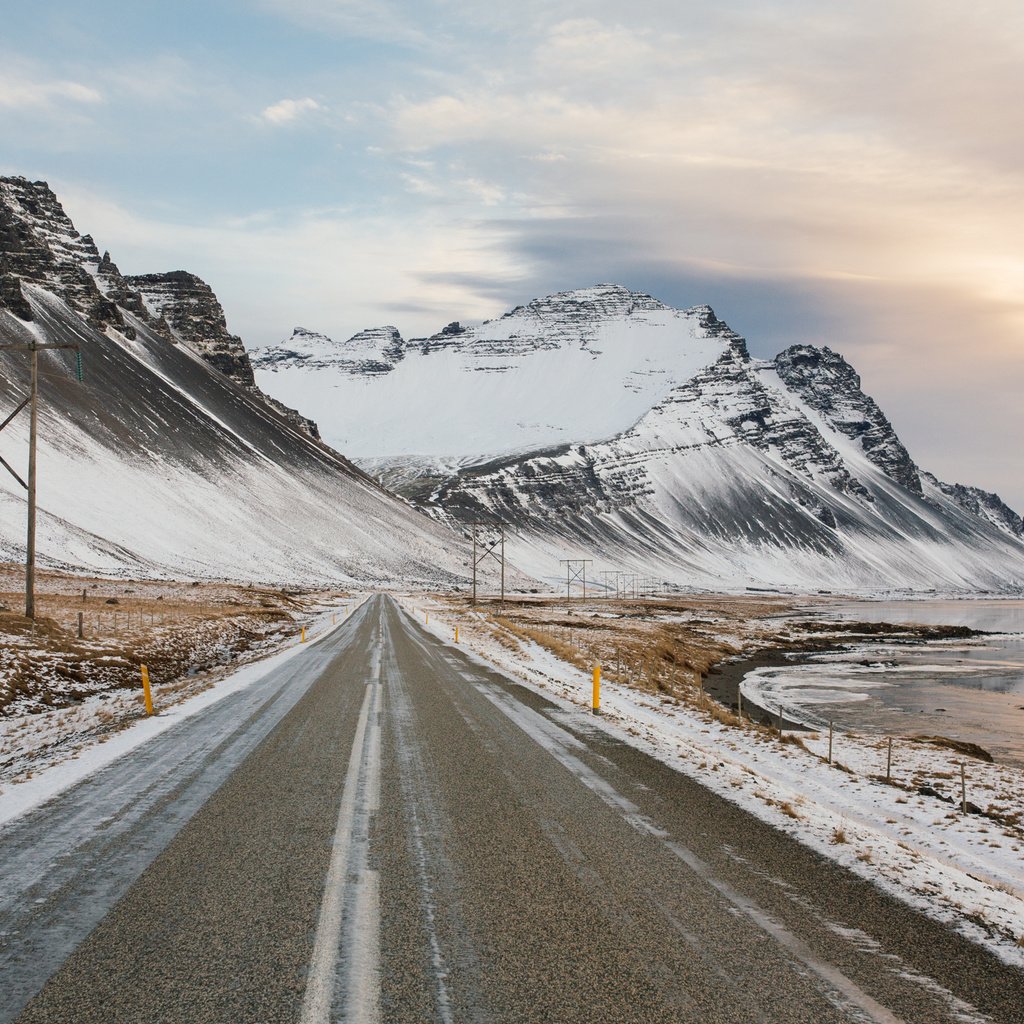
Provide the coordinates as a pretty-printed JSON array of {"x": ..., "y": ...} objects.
[{"x": 383, "y": 830}]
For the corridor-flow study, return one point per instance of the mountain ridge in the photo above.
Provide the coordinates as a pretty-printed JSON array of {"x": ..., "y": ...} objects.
[
  {"x": 40, "y": 244},
  {"x": 778, "y": 472}
]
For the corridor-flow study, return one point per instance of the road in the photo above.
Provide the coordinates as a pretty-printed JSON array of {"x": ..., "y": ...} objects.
[{"x": 384, "y": 830}]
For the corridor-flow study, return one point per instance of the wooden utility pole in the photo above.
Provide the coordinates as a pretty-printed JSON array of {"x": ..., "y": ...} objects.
[{"x": 33, "y": 403}]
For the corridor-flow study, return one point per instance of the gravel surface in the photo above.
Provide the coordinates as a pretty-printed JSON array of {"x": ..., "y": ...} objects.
[{"x": 507, "y": 862}]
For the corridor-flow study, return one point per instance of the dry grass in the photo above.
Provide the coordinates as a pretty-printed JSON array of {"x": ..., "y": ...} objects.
[
  {"x": 664, "y": 646},
  {"x": 176, "y": 629}
]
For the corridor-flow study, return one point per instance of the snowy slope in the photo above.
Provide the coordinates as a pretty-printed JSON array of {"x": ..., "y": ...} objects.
[
  {"x": 577, "y": 366},
  {"x": 160, "y": 465},
  {"x": 168, "y": 460}
]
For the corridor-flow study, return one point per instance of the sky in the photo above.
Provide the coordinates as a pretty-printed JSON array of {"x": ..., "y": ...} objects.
[{"x": 839, "y": 174}]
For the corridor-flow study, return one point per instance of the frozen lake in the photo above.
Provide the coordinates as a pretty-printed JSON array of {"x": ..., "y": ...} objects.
[{"x": 965, "y": 689}]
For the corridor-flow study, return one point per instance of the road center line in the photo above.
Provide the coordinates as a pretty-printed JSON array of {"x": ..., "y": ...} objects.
[{"x": 316, "y": 1005}]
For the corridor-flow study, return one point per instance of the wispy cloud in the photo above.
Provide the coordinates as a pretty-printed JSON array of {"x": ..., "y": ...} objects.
[
  {"x": 286, "y": 111},
  {"x": 18, "y": 92},
  {"x": 391, "y": 21}
]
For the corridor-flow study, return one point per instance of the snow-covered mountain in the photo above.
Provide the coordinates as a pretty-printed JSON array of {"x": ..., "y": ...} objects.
[
  {"x": 575, "y": 367},
  {"x": 167, "y": 459},
  {"x": 601, "y": 423}
]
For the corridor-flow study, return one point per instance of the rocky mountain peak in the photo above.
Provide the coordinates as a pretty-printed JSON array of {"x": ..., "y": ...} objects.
[
  {"x": 830, "y": 386},
  {"x": 372, "y": 351},
  {"x": 40, "y": 245},
  {"x": 602, "y": 301},
  {"x": 189, "y": 308}
]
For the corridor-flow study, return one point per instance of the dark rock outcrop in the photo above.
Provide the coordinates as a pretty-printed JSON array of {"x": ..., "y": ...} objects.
[
  {"x": 981, "y": 503},
  {"x": 830, "y": 386},
  {"x": 189, "y": 308}
]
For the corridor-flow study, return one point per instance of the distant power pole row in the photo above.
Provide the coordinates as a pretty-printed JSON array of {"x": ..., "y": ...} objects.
[{"x": 32, "y": 401}]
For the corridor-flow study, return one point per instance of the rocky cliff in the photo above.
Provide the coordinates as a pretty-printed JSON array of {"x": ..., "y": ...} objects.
[{"x": 39, "y": 244}]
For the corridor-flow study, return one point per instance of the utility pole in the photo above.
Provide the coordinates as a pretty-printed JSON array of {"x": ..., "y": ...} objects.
[
  {"x": 495, "y": 550},
  {"x": 33, "y": 403},
  {"x": 575, "y": 572}
]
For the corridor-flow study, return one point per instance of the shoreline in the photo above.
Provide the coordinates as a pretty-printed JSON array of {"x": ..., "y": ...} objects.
[
  {"x": 723, "y": 684},
  {"x": 723, "y": 680}
]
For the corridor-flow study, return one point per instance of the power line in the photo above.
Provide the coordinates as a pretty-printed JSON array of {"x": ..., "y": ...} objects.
[{"x": 495, "y": 550}]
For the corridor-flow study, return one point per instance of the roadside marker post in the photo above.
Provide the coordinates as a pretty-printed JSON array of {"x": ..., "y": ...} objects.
[
  {"x": 596, "y": 700},
  {"x": 147, "y": 695},
  {"x": 456, "y": 634},
  {"x": 302, "y": 637}
]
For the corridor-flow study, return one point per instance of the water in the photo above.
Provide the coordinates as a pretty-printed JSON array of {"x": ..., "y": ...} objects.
[{"x": 965, "y": 689}]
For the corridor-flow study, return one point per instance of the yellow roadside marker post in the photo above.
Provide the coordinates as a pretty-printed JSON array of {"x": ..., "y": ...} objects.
[
  {"x": 302, "y": 638},
  {"x": 145, "y": 690},
  {"x": 596, "y": 703},
  {"x": 456, "y": 634}
]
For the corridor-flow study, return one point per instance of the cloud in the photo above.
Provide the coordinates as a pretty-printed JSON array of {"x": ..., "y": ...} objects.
[
  {"x": 286, "y": 111},
  {"x": 18, "y": 92}
]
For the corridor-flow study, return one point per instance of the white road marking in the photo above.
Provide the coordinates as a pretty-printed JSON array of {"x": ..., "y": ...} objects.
[{"x": 359, "y": 799}]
